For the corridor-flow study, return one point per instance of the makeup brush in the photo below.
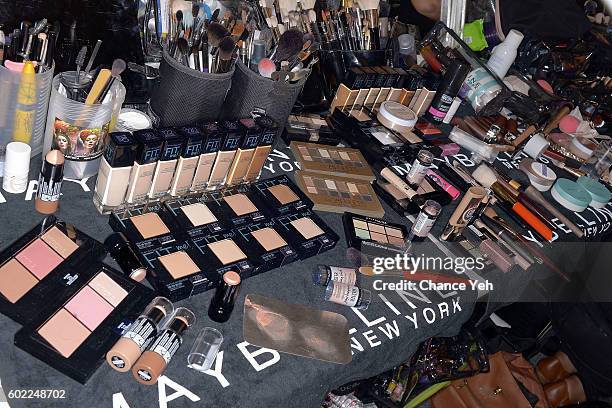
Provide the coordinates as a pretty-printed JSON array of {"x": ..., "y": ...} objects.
[
  {"x": 289, "y": 45},
  {"x": 266, "y": 67},
  {"x": 93, "y": 56},
  {"x": 225, "y": 54},
  {"x": 215, "y": 15},
  {"x": 216, "y": 32},
  {"x": 182, "y": 51},
  {"x": 80, "y": 60},
  {"x": 117, "y": 69},
  {"x": 195, "y": 12}
]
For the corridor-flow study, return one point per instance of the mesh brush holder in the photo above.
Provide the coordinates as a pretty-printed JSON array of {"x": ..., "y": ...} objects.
[
  {"x": 185, "y": 96},
  {"x": 250, "y": 90}
]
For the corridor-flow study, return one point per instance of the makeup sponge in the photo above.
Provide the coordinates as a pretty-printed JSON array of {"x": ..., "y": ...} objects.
[
  {"x": 484, "y": 175},
  {"x": 266, "y": 67},
  {"x": 569, "y": 124}
]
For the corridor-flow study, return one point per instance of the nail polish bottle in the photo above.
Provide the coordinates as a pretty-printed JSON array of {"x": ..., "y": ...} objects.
[{"x": 114, "y": 174}]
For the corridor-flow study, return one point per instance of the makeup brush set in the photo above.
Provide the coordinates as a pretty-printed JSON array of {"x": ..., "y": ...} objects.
[{"x": 30, "y": 42}]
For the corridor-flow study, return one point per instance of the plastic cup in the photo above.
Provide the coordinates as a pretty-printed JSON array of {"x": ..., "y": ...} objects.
[{"x": 204, "y": 349}]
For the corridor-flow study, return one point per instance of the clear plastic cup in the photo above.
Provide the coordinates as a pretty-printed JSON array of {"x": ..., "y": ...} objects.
[{"x": 204, "y": 349}]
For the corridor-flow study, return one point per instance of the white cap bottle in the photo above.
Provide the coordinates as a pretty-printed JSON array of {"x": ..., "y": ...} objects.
[
  {"x": 16, "y": 167},
  {"x": 504, "y": 54}
]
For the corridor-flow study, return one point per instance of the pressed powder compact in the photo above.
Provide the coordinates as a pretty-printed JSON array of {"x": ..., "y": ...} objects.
[
  {"x": 238, "y": 205},
  {"x": 145, "y": 225},
  {"x": 306, "y": 233},
  {"x": 282, "y": 195},
  {"x": 193, "y": 215},
  {"x": 222, "y": 254},
  {"x": 264, "y": 244}
]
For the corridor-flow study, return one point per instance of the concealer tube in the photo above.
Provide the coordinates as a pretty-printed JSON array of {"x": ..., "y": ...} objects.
[
  {"x": 187, "y": 163},
  {"x": 164, "y": 171},
  {"x": 50, "y": 183},
  {"x": 245, "y": 152},
  {"x": 140, "y": 335},
  {"x": 211, "y": 143},
  {"x": 464, "y": 213},
  {"x": 263, "y": 149},
  {"x": 153, "y": 362},
  {"x": 148, "y": 151},
  {"x": 395, "y": 180},
  {"x": 233, "y": 131}
]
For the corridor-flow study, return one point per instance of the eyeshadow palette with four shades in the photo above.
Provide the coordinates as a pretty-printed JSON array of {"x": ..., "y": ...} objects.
[
  {"x": 40, "y": 263},
  {"x": 81, "y": 321}
]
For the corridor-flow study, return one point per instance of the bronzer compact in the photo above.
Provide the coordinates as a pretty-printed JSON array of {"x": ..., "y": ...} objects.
[
  {"x": 41, "y": 263},
  {"x": 282, "y": 195},
  {"x": 306, "y": 233},
  {"x": 82, "y": 320},
  {"x": 176, "y": 271},
  {"x": 144, "y": 225}
]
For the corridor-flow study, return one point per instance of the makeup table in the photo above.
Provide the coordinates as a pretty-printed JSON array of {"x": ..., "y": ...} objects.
[{"x": 382, "y": 337}]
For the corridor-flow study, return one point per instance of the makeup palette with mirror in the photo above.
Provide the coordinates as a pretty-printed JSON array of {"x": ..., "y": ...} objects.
[
  {"x": 340, "y": 194},
  {"x": 146, "y": 225},
  {"x": 263, "y": 243},
  {"x": 195, "y": 216},
  {"x": 80, "y": 323},
  {"x": 40, "y": 263},
  {"x": 337, "y": 161},
  {"x": 374, "y": 236},
  {"x": 306, "y": 232},
  {"x": 175, "y": 270},
  {"x": 282, "y": 195}
]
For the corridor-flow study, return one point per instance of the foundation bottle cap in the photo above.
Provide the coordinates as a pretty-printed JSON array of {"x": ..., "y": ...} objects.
[
  {"x": 123, "y": 355},
  {"x": 121, "y": 150},
  {"x": 149, "y": 146}
]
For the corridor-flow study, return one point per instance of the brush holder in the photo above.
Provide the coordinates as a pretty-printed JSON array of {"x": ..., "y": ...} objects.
[
  {"x": 24, "y": 122},
  {"x": 185, "y": 96},
  {"x": 250, "y": 90},
  {"x": 336, "y": 63},
  {"x": 81, "y": 131}
]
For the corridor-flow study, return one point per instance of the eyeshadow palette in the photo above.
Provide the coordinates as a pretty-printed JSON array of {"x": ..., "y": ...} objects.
[
  {"x": 265, "y": 245},
  {"x": 340, "y": 194},
  {"x": 176, "y": 271},
  {"x": 340, "y": 161},
  {"x": 373, "y": 236},
  {"x": 306, "y": 233},
  {"x": 40, "y": 263},
  {"x": 147, "y": 225},
  {"x": 194, "y": 215},
  {"x": 309, "y": 128},
  {"x": 82, "y": 321},
  {"x": 282, "y": 195}
]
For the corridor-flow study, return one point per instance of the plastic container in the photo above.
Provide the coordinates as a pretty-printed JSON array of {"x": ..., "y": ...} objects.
[
  {"x": 16, "y": 167},
  {"x": 504, "y": 54},
  {"x": 78, "y": 130},
  {"x": 9, "y": 86},
  {"x": 205, "y": 349}
]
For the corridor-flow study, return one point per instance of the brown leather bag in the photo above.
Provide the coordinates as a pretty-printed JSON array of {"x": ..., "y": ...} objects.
[{"x": 496, "y": 389}]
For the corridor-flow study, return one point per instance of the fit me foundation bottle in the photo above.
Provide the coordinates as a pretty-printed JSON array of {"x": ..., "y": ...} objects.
[
  {"x": 164, "y": 171},
  {"x": 233, "y": 133},
  {"x": 263, "y": 149},
  {"x": 245, "y": 152},
  {"x": 147, "y": 154},
  {"x": 114, "y": 173},
  {"x": 187, "y": 163}
]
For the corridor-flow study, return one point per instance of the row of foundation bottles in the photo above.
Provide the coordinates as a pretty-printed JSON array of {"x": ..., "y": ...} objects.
[{"x": 153, "y": 163}]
